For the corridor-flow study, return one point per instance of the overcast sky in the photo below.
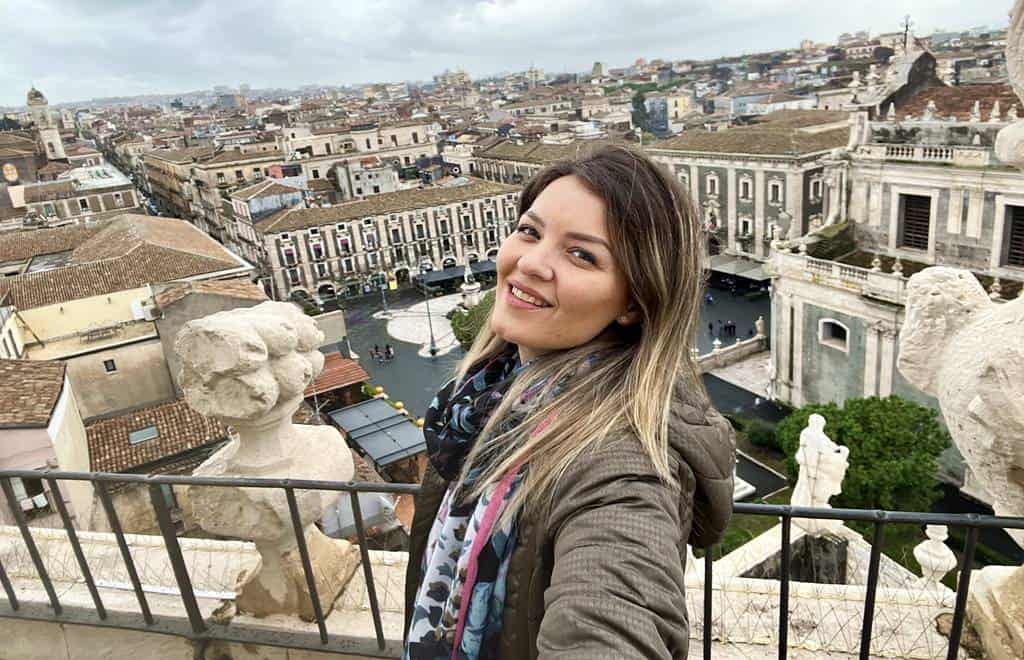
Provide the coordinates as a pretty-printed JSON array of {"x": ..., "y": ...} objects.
[{"x": 77, "y": 49}]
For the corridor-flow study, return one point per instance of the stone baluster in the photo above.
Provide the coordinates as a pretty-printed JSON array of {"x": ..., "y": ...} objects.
[
  {"x": 934, "y": 556},
  {"x": 897, "y": 267},
  {"x": 249, "y": 368},
  {"x": 995, "y": 291}
]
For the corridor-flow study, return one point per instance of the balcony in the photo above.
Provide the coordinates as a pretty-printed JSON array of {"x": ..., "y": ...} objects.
[
  {"x": 939, "y": 154},
  {"x": 183, "y": 587},
  {"x": 889, "y": 287}
]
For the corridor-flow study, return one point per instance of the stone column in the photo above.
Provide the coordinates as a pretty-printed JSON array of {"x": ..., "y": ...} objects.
[{"x": 249, "y": 368}]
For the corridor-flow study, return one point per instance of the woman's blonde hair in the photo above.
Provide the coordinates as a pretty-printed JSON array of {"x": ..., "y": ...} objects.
[{"x": 658, "y": 244}]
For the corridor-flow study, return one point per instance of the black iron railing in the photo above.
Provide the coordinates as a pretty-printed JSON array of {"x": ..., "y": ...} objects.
[{"x": 201, "y": 631}]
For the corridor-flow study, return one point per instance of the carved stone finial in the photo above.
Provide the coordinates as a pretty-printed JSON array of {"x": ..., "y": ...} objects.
[
  {"x": 897, "y": 267},
  {"x": 802, "y": 247},
  {"x": 976, "y": 111},
  {"x": 929, "y": 111},
  {"x": 717, "y": 345},
  {"x": 876, "y": 263},
  {"x": 934, "y": 556},
  {"x": 1011, "y": 114},
  {"x": 823, "y": 465},
  {"x": 890, "y": 115},
  {"x": 997, "y": 114},
  {"x": 249, "y": 368},
  {"x": 995, "y": 290},
  {"x": 759, "y": 326}
]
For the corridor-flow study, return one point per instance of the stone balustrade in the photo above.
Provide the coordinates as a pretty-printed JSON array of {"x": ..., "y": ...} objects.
[
  {"x": 939, "y": 154},
  {"x": 886, "y": 286}
]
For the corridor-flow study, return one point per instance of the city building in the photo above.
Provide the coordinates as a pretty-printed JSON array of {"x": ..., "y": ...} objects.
[
  {"x": 896, "y": 205},
  {"x": 751, "y": 183},
  {"x": 324, "y": 252}
]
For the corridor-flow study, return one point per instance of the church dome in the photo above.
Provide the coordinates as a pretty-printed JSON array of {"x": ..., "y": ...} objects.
[{"x": 35, "y": 97}]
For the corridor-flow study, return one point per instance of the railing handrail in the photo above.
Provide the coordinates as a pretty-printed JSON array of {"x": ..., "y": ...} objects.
[{"x": 201, "y": 631}]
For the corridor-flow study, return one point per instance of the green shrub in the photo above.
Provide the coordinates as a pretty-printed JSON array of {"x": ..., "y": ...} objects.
[
  {"x": 762, "y": 434},
  {"x": 466, "y": 325},
  {"x": 894, "y": 446}
]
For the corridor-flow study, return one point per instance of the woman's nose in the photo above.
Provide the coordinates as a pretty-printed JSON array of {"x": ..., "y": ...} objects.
[{"x": 536, "y": 262}]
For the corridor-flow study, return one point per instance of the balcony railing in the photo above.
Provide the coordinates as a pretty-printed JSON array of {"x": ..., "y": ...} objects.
[
  {"x": 876, "y": 284},
  {"x": 203, "y": 630},
  {"x": 942, "y": 154}
]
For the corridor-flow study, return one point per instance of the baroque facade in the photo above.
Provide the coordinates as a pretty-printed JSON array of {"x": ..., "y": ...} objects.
[{"x": 322, "y": 252}]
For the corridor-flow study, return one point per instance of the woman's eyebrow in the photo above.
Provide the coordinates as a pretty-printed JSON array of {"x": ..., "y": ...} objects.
[{"x": 587, "y": 238}]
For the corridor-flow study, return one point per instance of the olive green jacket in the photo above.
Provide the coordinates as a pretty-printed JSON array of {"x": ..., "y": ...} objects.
[{"x": 600, "y": 573}]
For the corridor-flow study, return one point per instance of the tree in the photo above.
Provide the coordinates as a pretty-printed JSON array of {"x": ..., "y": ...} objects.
[
  {"x": 466, "y": 325},
  {"x": 894, "y": 445},
  {"x": 640, "y": 116}
]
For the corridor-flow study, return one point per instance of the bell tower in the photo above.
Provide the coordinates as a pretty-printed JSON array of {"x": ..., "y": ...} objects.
[{"x": 49, "y": 134}]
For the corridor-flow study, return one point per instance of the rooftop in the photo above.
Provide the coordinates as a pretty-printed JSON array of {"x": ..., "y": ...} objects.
[
  {"x": 130, "y": 251},
  {"x": 29, "y": 390},
  {"x": 169, "y": 429},
  {"x": 396, "y": 202},
  {"x": 265, "y": 188},
  {"x": 540, "y": 153},
  {"x": 781, "y": 133}
]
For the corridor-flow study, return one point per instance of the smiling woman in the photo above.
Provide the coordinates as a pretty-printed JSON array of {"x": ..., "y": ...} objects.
[{"x": 575, "y": 453}]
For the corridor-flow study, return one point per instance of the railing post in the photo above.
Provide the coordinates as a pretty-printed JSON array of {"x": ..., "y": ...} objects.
[
  {"x": 76, "y": 547},
  {"x": 188, "y": 596},
  {"x": 963, "y": 583},
  {"x": 30, "y": 544},
  {"x": 126, "y": 555},
  {"x": 787, "y": 523},
  {"x": 869, "y": 598},
  {"x": 307, "y": 565},
  {"x": 371, "y": 588}
]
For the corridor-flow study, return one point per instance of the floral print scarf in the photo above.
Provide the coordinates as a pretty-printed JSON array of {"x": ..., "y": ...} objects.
[{"x": 460, "y": 601}]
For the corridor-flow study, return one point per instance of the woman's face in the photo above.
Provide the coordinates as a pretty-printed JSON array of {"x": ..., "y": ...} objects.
[{"x": 558, "y": 258}]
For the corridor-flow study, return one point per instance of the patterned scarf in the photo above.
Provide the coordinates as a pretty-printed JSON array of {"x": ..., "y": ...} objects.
[{"x": 460, "y": 601}]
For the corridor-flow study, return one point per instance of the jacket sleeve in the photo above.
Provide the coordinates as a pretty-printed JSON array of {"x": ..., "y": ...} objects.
[
  {"x": 711, "y": 456},
  {"x": 616, "y": 587}
]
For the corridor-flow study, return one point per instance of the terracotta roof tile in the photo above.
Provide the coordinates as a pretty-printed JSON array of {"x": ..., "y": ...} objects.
[
  {"x": 129, "y": 257},
  {"x": 234, "y": 288},
  {"x": 179, "y": 429},
  {"x": 959, "y": 101},
  {"x": 539, "y": 153},
  {"x": 29, "y": 390},
  {"x": 25, "y": 244},
  {"x": 404, "y": 200},
  {"x": 779, "y": 133},
  {"x": 338, "y": 372}
]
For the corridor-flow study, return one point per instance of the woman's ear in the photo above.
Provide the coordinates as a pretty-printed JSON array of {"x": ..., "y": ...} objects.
[{"x": 630, "y": 316}]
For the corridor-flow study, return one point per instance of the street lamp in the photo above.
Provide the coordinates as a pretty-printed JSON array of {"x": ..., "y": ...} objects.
[
  {"x": 430, "y": 324},
  {"x": 383, "y": 290}
]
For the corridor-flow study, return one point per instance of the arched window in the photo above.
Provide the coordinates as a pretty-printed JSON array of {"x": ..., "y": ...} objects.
[
  {"x": 712, "y": 184},
  {"x": 834, "y": 334}
]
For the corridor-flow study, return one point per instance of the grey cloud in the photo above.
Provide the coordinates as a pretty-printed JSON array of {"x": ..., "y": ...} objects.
[{"x": 75, "y": 50}]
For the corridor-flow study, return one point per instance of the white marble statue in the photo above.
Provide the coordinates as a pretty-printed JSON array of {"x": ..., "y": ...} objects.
[
  {"x": 823, "y": 465},
  {"x": 249, "y": 368},
  {"x": 968, "y": 352}
]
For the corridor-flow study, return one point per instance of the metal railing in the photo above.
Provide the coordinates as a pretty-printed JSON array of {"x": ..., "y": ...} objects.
[{"x": 201, "y": 631}]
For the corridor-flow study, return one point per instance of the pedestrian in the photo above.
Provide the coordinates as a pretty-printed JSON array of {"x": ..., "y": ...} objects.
[
  {"x": 517, "y": 540},
  {"x": 711, "y": 328},
  {"x": 389, "y": 352}
]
